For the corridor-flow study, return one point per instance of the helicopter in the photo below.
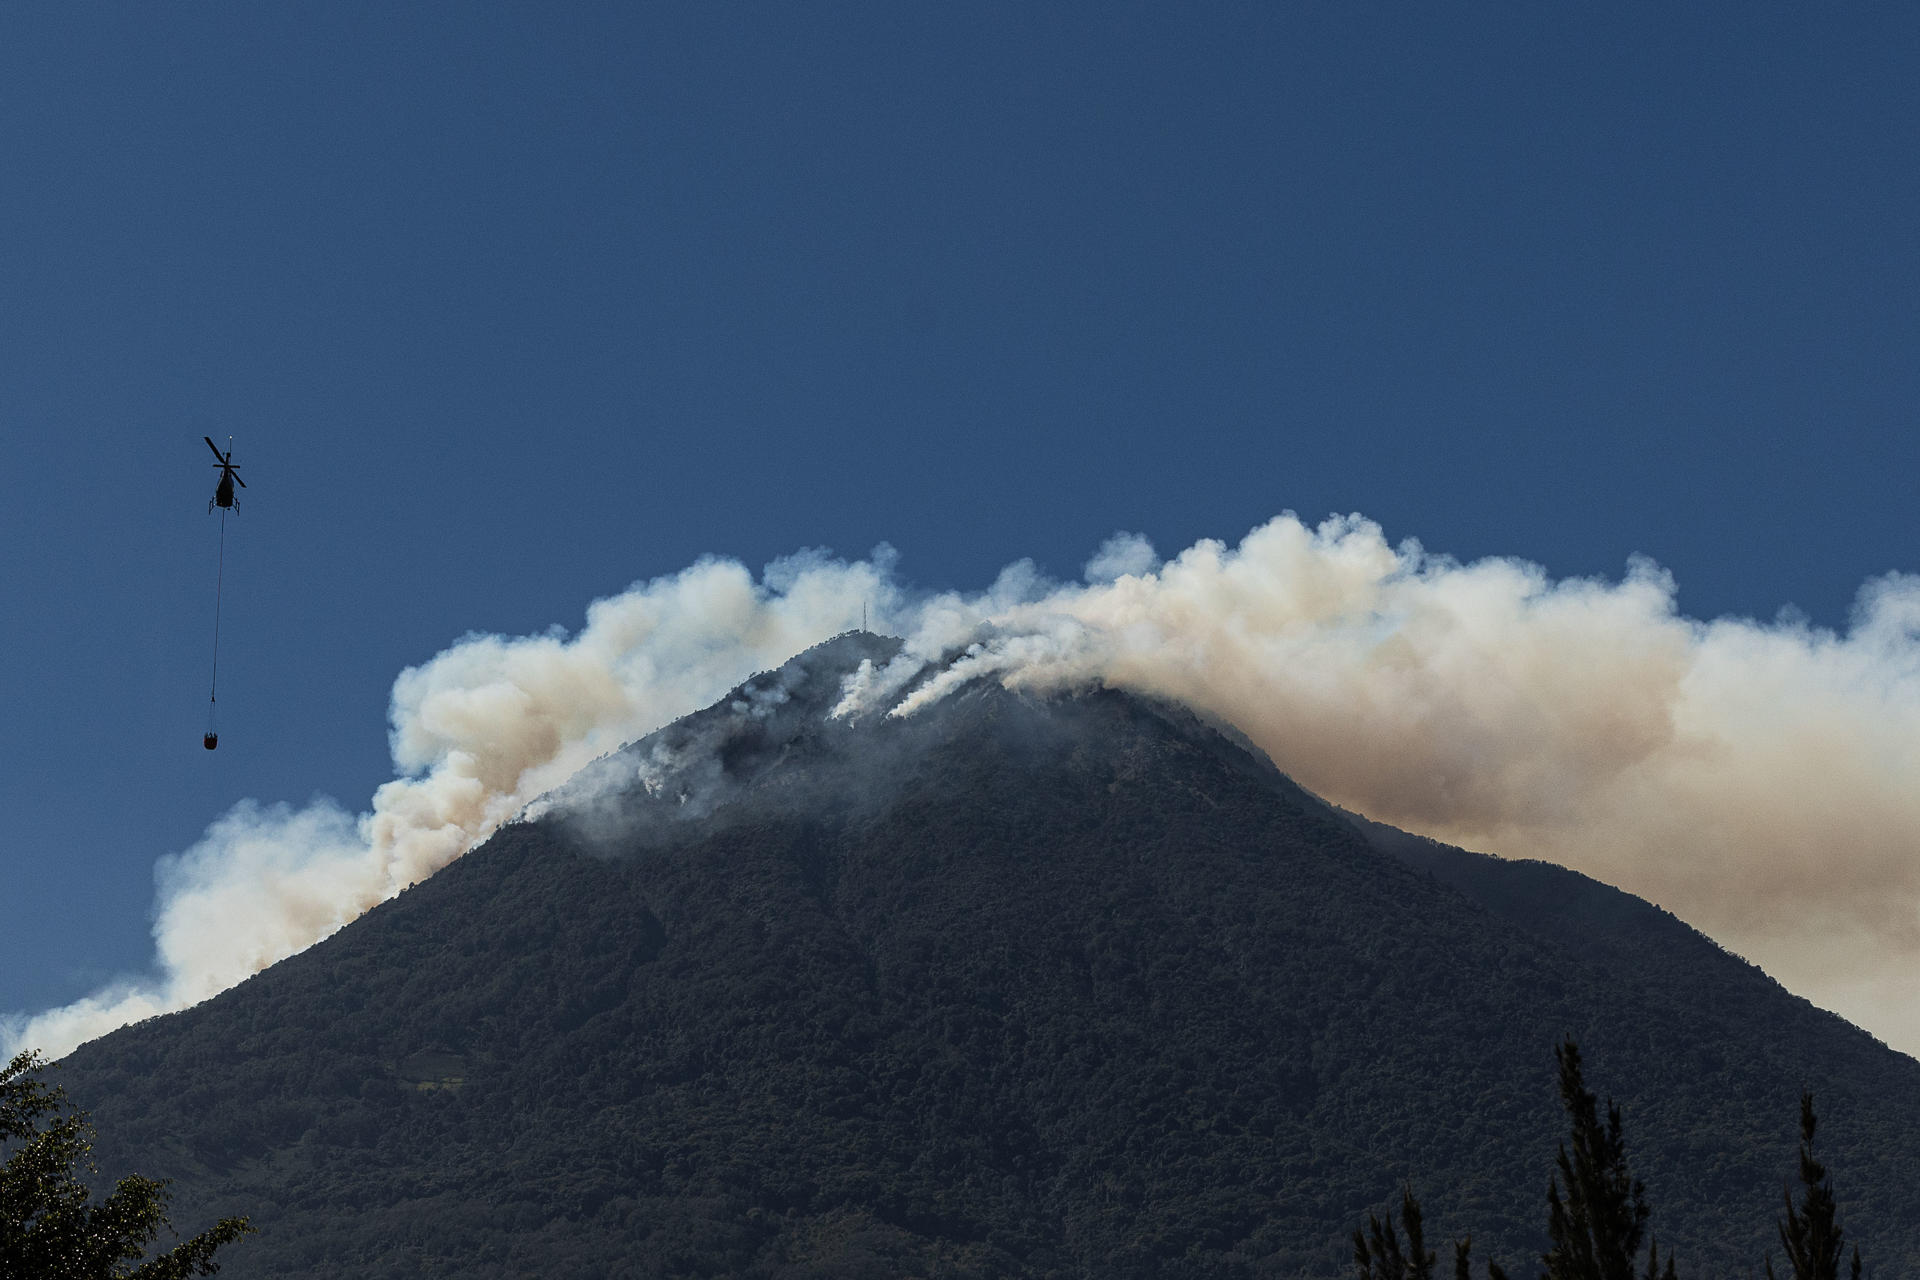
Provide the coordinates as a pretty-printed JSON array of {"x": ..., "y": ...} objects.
[{"x": 223, "y": 496}]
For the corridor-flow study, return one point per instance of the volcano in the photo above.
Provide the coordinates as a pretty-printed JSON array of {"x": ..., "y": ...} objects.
[{"x": 1013, "y": 986}]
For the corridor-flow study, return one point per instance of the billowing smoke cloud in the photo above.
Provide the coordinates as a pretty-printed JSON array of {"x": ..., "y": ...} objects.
[
  {"x": 1762, "y": 781},
  {"x": 477, "y": 733},
  {"x": 1757, "y": 779}
]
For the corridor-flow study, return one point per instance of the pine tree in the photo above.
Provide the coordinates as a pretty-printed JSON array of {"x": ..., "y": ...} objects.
[
  {"x": 1463, "y": 1262},
  {"x": 1596, "y": 1227},
  {"x": 1600, "y": 1217},
  {"x": 1810, "y": 1232},
  {"x": 1377, "y": 1254},
  {"x": 1376, "y": 1251}
]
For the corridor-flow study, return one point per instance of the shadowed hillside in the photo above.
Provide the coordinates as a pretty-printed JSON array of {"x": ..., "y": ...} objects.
[{"x": 1012, "y": 987}]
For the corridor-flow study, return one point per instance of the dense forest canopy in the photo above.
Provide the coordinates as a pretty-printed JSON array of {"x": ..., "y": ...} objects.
[{"x": 1016, "y": 987}]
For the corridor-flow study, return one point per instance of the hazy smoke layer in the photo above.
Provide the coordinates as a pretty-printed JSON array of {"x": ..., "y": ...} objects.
[{"x": 1757, "y": 779}]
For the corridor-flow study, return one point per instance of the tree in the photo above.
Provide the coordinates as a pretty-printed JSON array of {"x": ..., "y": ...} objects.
[
  {"x": 1596, "y": 1227},
  {"x": 1810, "y": 1232},
  {"x": 1376, "y": 1251},
  {"x": 1377, "y": 1254},
  {"x": 49, "y": 1227}
]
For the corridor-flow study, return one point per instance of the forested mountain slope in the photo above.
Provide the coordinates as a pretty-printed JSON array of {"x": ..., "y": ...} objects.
[{"x": 1015, "y": 986}]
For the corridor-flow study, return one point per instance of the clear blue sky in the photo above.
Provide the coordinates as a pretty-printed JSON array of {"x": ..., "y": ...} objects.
[{"x": 506, "y": 306}]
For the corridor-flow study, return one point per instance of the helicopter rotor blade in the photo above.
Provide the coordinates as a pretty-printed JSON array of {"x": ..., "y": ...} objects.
[
  {"x": 237, "y": 480},
  {"x": 216, "y": 449}
]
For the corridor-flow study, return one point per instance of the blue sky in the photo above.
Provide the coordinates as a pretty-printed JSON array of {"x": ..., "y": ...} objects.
[{"x": 506, "y": 307}]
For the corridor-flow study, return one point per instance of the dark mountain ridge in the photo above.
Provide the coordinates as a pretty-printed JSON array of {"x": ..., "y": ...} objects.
[{"x": 1013, "y": 986}]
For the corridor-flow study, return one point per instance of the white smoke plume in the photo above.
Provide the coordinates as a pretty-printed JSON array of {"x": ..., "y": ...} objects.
[
  {"x": 477, "y": 732},
  {"x": 1758, "y": 779},
  {"x": 1762, "y": 781}
]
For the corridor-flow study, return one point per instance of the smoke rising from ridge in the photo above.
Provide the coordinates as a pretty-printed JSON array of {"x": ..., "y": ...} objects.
[
  {"x": 1756, "y": 778},
  {"x": 477, "y": 732}
]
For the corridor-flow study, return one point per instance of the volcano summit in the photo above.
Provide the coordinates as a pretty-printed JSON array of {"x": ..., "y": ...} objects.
[{"x": 1010, "y": 986}]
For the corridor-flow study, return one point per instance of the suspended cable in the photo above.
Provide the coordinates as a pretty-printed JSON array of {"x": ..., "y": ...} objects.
[
  {"x": 223, "y": 499},
  {"x": 212, "y": 739}
]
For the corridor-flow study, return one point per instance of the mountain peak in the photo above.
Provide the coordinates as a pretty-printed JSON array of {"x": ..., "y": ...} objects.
[
  {"x": 780, "y": 744},
  {"x": 1014, "y": 985}
]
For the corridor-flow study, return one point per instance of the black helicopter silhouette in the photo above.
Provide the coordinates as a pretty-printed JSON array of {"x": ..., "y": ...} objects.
[{"x": 223, "y": 496}]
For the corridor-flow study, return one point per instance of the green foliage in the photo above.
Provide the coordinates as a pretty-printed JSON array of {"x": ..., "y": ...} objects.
[
  {"x": 1463, "y": 1262},
  {"x": 1597, "y": 1226},
  {"x": 1377, "y": 1254},
  {"x": 1810, "y": 1232},
  {"x": 49, "y": 1227}
]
